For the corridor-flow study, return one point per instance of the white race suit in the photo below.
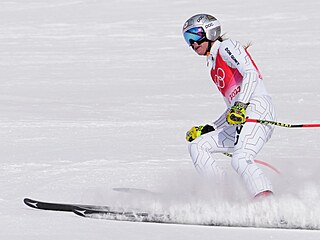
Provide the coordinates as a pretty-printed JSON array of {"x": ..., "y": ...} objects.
[{"x": 238, "y": 79}]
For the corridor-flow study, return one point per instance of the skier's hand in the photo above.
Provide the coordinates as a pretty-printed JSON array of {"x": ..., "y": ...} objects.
[
  {"x": 237, "y": 113},
  {"x": 197, "y": 131}
]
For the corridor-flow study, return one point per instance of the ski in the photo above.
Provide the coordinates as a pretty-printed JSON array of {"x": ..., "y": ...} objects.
[
  {"x": 64, "y": 207},
  {"x": 140, "y": 216},
  {"x": 108, "y": 213},
  {"x": 132, "y": 216}
]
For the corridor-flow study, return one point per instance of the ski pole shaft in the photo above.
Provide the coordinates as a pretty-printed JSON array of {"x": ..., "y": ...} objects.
[{"x": 287, "y": 125}]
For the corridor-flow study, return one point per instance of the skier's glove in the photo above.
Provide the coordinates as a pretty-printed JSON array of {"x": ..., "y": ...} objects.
[
  {"x": 197, "y": 131},
  {"x": 237, "y": 113}
]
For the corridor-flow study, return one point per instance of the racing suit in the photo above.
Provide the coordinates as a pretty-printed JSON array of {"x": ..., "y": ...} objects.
[{"x": 238, "y": 79}]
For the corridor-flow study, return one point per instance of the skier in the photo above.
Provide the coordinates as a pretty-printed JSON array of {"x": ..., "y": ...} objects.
[{"x": 239, "y": 81}]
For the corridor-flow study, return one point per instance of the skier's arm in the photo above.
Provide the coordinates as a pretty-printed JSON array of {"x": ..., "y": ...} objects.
[
  {"x": 197, "y": 131},
  {"x": 221, "y": 121},
  {"x": 235, "y": 56}
]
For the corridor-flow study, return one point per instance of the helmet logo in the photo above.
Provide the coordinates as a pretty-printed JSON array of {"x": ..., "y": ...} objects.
[
  {"x": 185, "y": 25},
  {"x": 209, "y": 25},
  {"x": 188, "y": 23},
  {"x": 200, "y": 18}
]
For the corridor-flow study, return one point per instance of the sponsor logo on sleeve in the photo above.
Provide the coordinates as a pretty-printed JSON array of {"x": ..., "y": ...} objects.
[{"x": 231, "y": 55}]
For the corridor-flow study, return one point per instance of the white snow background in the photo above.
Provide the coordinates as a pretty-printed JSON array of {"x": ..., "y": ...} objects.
[{"x": 96, "y": 95}]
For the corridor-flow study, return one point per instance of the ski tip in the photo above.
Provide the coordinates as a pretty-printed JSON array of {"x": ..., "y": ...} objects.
[
  {"x": 31, "y": 203},
  {"x": 79, "y": 211},
  {"x": 26, "y": 200}
]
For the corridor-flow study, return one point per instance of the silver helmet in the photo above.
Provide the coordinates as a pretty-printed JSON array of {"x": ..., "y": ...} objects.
[{"x": 205, "y": 23}]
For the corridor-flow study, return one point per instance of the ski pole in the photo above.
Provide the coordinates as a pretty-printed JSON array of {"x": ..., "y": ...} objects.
[
  {"x": 287, "y": 125},
  {"x": 259, "y": 162}
]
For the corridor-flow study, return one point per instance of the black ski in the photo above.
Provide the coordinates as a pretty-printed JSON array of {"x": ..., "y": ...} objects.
[
  {"x": 132, "y": 216},
  {"x": 140, "y": 216},
  {"x": 107, "y": 213},
  {"x": 65, "y": 207}
]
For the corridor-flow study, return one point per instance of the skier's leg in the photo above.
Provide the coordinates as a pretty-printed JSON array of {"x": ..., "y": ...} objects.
[
  {"x": 203, "y": 148},
  {"x": 250, "y": 139}
]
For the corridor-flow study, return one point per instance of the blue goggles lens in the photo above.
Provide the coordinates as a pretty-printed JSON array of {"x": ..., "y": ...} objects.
[{"x": 195, "y": 34}]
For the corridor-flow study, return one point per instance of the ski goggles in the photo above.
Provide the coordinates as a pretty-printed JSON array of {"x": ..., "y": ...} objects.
[{"x": 196, "y": 34}]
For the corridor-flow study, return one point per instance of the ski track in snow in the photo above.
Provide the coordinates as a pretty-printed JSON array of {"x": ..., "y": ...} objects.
[{"x": 98, "y": 95}]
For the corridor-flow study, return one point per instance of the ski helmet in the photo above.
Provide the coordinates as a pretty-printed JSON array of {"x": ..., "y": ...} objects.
[{"x": 201, "y": 27}]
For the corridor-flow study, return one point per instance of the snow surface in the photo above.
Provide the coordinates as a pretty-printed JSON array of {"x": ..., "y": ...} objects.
[{"x": 96, "y": 95}]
